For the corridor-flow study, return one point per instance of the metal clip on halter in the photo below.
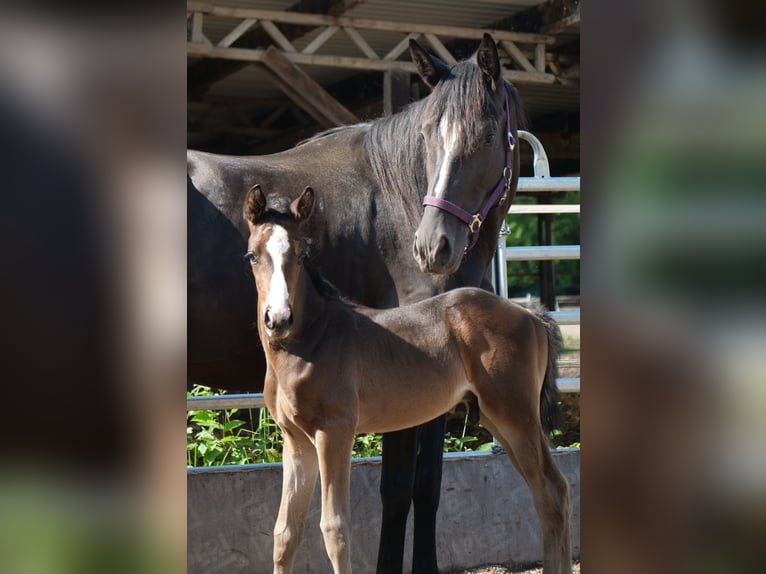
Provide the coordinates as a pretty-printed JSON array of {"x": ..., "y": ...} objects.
[{"x": 476, "y": 222}]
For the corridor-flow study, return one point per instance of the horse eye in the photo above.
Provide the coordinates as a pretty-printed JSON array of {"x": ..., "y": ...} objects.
[
  {"x": 489, "y": 138},
  {"x": 251, "y": 257}
]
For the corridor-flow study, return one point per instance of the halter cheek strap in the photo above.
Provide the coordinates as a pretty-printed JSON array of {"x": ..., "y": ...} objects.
[{"x": 498, "y": 195}]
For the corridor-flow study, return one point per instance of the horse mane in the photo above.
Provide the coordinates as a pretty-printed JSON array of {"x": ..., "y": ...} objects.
[{"x": 394, "y": 145}]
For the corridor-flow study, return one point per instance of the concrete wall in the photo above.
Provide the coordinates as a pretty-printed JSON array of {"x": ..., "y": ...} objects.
[{"x": 485, "y": 516}]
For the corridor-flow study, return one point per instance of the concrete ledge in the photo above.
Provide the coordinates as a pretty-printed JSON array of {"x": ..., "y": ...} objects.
[{"x": 485, "y": 516}]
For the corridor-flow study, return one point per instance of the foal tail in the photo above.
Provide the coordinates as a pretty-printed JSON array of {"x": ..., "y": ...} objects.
[{"x": 550, "y": 412}]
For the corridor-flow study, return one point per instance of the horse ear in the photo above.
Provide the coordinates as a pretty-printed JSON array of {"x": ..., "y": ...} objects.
[
  {"x": 489, "y": 62},
  {"x": 430, "y": 68},
  {"x": 301, "y": 208},
  {"x": 255, "y": 204}
]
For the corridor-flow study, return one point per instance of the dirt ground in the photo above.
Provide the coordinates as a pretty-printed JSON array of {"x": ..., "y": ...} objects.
[{"x": 518, "y": 570}]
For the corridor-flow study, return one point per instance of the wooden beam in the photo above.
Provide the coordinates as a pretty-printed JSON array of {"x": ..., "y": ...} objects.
[
  {"x": 396, "y": 91},
  {"x": 201, "y": 75},
  {"x": 237, "y": 32},
  {"x": 197, "y": 36},
  {"x": 278, "y": 37},
  {"x": 518, "y": 77},
  {"x": 440, "y": 49},
  {"x": 540, "y": 58},
  {"x": 321, "y": 38},
  {"x": 517, "y": 55},
  {"x": 564, "y": 25},
  {"x": 399, "y": 49},
  {"x": 361, "y": 43},
  {"x": 369, "y": 24},
  {"x": 304, "y": 91}
]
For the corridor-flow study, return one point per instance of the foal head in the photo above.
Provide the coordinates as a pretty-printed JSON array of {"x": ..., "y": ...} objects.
[
  {"x": 275, "y": 250},
  {"x": 465, "y": 132}
]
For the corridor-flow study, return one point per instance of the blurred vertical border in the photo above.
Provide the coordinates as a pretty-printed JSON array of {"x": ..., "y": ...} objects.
[
  {"x": 92, "y": 296},
  {"x": 674, "y": 278},
  {"x": 93, "y": 242}
]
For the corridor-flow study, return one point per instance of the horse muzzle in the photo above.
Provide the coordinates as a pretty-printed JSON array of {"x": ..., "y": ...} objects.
[
  {"x": 278, "y": 321},
  {"x": 437, "y": 256}
]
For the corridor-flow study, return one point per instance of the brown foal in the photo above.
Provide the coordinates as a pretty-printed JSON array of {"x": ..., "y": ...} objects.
[{"x": 335, "y": 369}]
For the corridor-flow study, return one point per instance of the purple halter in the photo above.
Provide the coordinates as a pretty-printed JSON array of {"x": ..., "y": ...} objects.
[{"x": 500, "y": 191}]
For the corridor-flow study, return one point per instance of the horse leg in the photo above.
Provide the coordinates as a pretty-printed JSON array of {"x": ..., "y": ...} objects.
[
  {"x": 427, "y": 488},
  {"x": 528, "y": 450},
  {"x": 298, "y": 479},
  {"x": 335, "y": 470},
  {"x": 397, "y": 479}
]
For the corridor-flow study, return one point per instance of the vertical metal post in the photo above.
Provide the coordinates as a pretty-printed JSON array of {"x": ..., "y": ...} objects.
[
  {"x": 547, "y": 273},
  {"x": 499, "y": 265}
]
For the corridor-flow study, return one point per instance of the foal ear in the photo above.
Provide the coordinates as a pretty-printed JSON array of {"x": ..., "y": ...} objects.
[
  {"x": 301, "y": 207},
  {"x": 489, "y": 62},
  {"x": 255, "y": 204},
  {"x": 430, "y": 68}
]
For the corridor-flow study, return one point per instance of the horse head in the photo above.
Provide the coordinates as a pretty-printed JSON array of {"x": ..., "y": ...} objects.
[
  {"x": 469, "y": 131},
  {"x": 275, "y": 250}
]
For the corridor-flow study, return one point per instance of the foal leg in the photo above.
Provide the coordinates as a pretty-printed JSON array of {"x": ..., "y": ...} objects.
[
  {"x": 298, "y": 479},
  {"x": 335, "y": 469},
  {"x": 528, "y": 450}
]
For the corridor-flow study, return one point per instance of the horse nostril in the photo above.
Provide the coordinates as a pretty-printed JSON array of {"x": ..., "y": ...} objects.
[
  {"x": 444, "y": 248},
  {"x": 267, "y": 318}
]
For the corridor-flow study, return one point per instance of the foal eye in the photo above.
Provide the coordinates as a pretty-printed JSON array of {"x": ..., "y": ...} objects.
[{"x": 251, "y": 257}]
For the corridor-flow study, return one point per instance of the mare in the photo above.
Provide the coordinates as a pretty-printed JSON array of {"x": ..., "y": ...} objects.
[
  {"x": 336, "y": 369},
  {"x": 371, "y": 236}
]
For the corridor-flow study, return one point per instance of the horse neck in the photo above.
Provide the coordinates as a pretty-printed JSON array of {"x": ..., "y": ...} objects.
[{"x": 397, "y": 156}]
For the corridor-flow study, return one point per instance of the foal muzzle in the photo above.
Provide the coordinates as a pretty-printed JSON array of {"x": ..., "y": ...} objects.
[{"x": 278, "y": 322}]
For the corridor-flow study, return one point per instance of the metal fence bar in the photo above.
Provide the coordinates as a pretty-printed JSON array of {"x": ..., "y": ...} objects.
[
  {"x": 540, "y": 159},
  {"x": 542, "y": 184},
  {"x": 255, "y": 400},
  {"x": 567, "y": 385},
  {"x": 225, "y": 402},
  {"x": 566, "y": 317},
  {"x": 541, "y": 209},
  {"x": 540, "y": 252}
]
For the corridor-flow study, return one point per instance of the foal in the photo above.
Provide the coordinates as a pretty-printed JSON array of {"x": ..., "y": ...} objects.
[{"x": 335, "y": 369}]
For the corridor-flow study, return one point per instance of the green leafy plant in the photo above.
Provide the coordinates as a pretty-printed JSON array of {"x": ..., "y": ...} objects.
[
  {"x": 221, "y": 437},
  {"x": 366, "y": 445},
  {"x": 218, "y": 437},
  {"x": 464, "y": 442}
]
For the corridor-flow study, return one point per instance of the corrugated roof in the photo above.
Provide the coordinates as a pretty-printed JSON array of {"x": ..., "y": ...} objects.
[{"x": 252, "y": 84}]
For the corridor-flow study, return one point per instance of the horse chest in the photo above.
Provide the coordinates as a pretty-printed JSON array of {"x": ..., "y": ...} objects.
[{"x": 308, "y": 395}]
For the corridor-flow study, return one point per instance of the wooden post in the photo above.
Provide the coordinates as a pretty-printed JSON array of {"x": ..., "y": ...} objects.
[{"x": 396, "y": 91}]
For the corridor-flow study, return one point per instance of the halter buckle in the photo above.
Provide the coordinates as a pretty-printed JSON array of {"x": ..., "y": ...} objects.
[
  {"x": 476, "y": 222},
  {"x": 511, "y": 141}
]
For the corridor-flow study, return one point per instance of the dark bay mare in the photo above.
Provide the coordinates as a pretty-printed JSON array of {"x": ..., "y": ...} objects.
[
  {"x": 335, "y": 369},
  {"x": 372, "y": 237}
]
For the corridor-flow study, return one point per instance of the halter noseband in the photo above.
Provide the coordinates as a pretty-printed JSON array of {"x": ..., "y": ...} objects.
[{"x": 498, "y": 195}]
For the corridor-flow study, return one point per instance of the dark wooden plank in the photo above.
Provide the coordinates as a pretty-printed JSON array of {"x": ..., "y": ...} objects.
[
  {"x": 396, "y": 91},
  {"x": 304, "y": 91}
]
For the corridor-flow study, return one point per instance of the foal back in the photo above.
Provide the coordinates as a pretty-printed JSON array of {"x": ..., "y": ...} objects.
[{"x": 420, "y": 360}]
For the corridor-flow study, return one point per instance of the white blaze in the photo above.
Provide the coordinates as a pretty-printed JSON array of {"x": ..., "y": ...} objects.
[
  {"x": 449, "y": 132},
  {"x": 278, "y": 297}
]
